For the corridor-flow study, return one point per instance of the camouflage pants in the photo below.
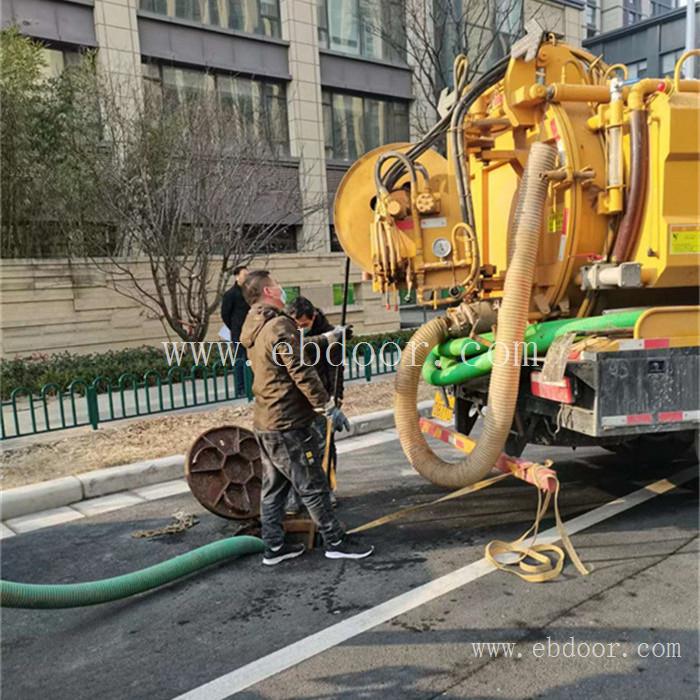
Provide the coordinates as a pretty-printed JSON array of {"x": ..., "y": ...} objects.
[{"x": 292, "y": 460}]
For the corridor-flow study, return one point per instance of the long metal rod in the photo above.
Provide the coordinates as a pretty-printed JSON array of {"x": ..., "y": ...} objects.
[
  {"x": 690, "y": 38},
  {"x": 343, "y": 319}
]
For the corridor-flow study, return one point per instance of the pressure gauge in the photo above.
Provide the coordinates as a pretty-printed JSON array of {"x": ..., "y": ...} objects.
[{"x": 441, "y": 247}]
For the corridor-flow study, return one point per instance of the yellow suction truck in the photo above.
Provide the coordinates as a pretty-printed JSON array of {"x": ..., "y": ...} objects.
[{"x": 551, "y": 216}]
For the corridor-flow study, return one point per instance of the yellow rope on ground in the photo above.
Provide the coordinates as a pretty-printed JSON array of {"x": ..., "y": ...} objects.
[
  {"x": 413, "y": 509},
  {"x": 549, "y": 558}
]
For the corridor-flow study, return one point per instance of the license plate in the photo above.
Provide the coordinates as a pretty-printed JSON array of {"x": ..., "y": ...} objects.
[{"x": 442, "y": 411}]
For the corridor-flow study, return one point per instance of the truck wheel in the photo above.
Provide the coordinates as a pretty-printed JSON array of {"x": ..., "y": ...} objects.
[{"x": 655, "y": 450}]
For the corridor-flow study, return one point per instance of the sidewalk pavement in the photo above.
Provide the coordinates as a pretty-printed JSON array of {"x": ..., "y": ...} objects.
[{"x": 60, "y": 500}]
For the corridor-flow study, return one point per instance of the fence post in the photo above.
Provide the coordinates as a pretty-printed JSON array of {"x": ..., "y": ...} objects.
[
  {"x": 92, "y": 407},
  {"x": 368, "y": 362},
  {"x": 248, "y": 381}
]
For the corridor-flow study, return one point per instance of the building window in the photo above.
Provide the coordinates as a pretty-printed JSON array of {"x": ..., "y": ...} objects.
[
  {"x": 57, "y": 60},
  {"x": 668, "y": 62},
  {"x": 637, "y": 70},
  {"x": 263, "y": 108},
  {"x": 659, "y": 7},
  {"x": 251, "y": 16},
  {"x": 354, "y": 125},
  {"x": 592, "y": 14},
  {"x": 631, "y": 12},
  {"x": 262, "y": 105},
  {"x": 484, "y": 36},
  {"x": 370, "y": 28}
]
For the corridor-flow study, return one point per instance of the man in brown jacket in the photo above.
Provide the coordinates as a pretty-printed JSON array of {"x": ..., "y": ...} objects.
[{"x": 290, "y": 403}]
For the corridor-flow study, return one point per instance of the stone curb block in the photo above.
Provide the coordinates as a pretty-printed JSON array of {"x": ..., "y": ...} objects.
[
  {"x": 102, "y": 482},
  {"x": 25, "y": 500},
  {"x": 46, "y": 495}
]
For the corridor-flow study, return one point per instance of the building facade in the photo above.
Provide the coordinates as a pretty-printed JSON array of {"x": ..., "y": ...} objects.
[
  {"x": 330, "y": 85},
  {"x": 610, "y": 15},
  {"x": 649, "y": 48}
]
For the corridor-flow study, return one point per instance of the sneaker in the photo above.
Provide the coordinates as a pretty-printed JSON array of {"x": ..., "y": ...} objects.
[
  {"x": 286, "y": 551},
  {"x": 348, "y": 548}
]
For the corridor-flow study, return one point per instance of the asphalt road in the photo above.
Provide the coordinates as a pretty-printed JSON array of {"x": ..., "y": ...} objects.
[{"x": 643, "y": 591}]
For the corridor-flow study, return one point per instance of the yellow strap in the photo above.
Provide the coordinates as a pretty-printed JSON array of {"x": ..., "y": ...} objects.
[
  {"x": 550, "y": 557},
  {"x": 330, "y": 473},
  {"x": 413, "y": 509}
]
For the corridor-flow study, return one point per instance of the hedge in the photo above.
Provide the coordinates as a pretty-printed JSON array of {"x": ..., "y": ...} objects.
[{"x": 35, "y": 371}]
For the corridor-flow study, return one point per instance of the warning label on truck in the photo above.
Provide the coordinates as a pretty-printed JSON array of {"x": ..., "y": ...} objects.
[{"x": 684, "y": 239}]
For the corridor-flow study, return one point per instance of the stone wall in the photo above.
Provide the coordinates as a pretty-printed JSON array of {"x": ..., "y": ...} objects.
[{"x": 49, "y": 306}]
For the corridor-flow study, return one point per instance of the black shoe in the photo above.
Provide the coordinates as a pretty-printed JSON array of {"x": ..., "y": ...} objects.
[
  {"x": 349, "y": 548},
  {"x": 286, "y": 551}
]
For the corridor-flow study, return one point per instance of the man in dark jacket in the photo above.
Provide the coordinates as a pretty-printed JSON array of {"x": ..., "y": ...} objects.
[
  {"x": 234, "y": 309},
  {"x": 325, "y": 350},
  {"x": 289, "y": 399}
]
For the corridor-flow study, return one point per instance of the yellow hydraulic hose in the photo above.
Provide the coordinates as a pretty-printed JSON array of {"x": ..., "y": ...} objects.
[{"x": 512, "y": 321}]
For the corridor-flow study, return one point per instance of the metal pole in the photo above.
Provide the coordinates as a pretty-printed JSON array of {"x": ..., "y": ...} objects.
[
  {"x": 343, "y": 319},
  {"x": 689, "y": 68}
]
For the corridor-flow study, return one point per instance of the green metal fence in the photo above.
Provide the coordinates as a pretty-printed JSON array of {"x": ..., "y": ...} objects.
[{"x": 101, "y": 400}]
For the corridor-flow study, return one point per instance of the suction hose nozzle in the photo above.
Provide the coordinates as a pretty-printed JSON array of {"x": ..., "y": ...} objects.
[{"x": 505, "y": 377}]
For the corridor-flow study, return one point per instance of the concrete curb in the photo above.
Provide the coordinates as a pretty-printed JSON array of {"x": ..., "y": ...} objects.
[{"x": 33, "y": 498}]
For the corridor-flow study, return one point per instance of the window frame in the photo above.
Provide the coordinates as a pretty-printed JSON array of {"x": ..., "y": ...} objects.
[
  {"x": 201, "y": 14},
  {"x": 393, "y": 51},
  {"x": 262, "y": 98},
  {"x": 390, "y": 123}
]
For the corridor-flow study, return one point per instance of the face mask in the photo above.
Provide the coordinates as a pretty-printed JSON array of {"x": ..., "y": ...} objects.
[{"x": 283, "y": 295}]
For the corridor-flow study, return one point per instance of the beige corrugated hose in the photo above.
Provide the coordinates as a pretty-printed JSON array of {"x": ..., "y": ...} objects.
[{"x": 512, "y": 321}]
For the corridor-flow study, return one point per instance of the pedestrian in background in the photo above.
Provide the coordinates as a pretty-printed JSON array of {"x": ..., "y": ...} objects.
[{"x": 234, "y": 309}]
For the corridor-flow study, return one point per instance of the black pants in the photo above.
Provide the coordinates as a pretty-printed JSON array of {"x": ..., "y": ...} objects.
[{"x": 292, "y": 459}]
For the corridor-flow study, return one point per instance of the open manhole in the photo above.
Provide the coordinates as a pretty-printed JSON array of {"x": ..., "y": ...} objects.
[{"x": 224, "y": 472}]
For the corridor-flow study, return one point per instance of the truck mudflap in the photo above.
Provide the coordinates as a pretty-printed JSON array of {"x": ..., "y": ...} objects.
[{"x": 634, "y": 392}]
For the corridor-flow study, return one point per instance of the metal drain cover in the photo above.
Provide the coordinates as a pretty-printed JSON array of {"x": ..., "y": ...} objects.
[{"x": 224, "y": 472}]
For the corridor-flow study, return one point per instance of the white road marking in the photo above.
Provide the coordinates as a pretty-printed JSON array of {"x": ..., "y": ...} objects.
[{"x": 289, "y": 656}]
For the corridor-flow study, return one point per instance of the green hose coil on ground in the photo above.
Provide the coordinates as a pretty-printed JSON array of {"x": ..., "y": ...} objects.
[
  {"x": 73, "y": 595},
  {"x": 461, "y": 359}
]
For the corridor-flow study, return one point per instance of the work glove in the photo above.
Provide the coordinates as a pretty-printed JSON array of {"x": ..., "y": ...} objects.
[
  {"x": 337, "y": 417},
  {"x": 338, "y": 332}
]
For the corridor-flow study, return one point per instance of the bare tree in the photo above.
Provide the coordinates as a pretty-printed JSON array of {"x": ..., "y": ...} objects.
[
  {"x": 190, "y": 188},
  {"x": 434, "y": 32}
]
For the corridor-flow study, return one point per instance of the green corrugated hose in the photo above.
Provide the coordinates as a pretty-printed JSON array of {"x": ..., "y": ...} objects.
[
  {"x": 444, "y": 365},
  {"x": 74, "y": 595}
]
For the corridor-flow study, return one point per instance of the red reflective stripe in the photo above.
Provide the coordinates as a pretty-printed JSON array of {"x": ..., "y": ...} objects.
[
  {"x": 552, "y": 392},
  {"x": 670, "y": 416},
  {"x": 640, "y": 419},
  {"x": 404, "y": 224},
  {"x": 654, "y": 343}
]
